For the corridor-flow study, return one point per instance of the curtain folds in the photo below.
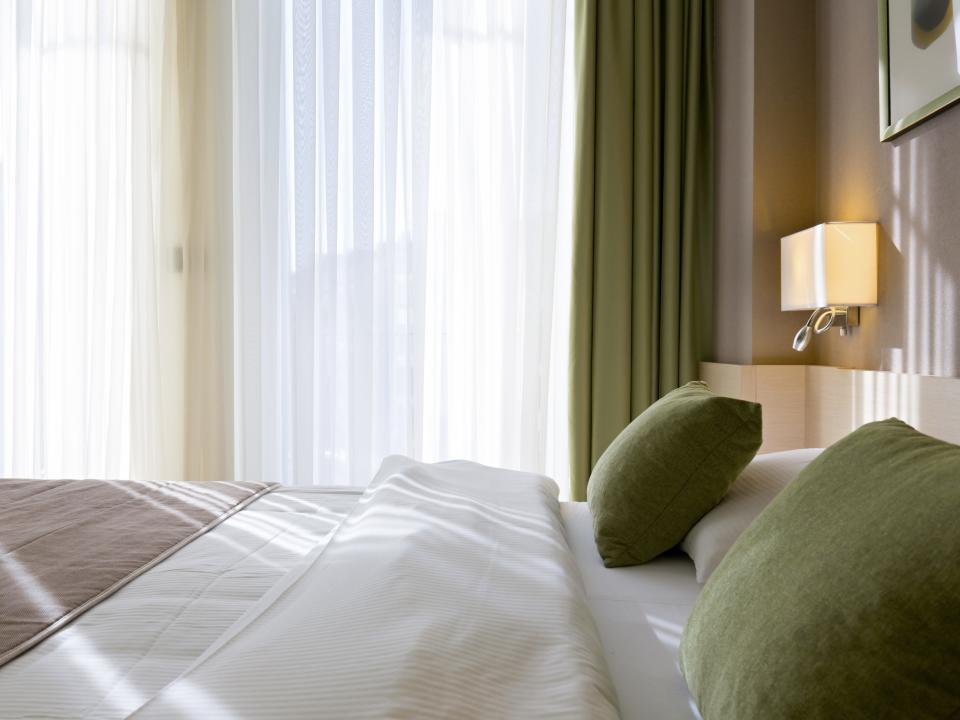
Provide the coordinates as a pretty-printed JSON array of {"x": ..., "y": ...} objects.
[
  {"x": 91, "y": 293},
  {"x": 643, "y": 213},
  {"x": 280, "y": 239},
  {"x": 204, "y": 39},
  {"x": 400, "y": 235}
]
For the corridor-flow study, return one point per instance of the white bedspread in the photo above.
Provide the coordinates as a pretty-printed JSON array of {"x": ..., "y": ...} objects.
[
  {"x": 115, "y": 657},
  {"x": 449, "y": 591},
  {"x": 640, "y": 612}
]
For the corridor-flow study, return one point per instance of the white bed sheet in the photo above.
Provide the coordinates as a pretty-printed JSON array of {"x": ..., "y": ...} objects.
[
  {"x": 640, "y": 614},
  {"x": 121, "y": 653},
  {"x": 118, "y": 655},
  {"x": 448, "y": 592}
]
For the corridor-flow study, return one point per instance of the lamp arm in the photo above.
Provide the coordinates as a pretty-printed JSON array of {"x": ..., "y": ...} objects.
[
  {"x": 813, "y": 316},
  {"x": 830, "y": 315}
]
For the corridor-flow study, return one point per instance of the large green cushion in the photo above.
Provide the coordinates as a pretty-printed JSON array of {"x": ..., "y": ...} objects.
[
  {"x": 842, "y": 600},
  {"x": 667, "y": 469}
]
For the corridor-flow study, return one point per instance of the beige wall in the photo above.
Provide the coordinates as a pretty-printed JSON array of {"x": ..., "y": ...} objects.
[
  {"x": 784, "y": 164},
  {"x": 765, "y": 171},
  {"x": 910, "y": 184},
  {"x": 733, "y": 170},
  {"x": 813, "y": 66}
]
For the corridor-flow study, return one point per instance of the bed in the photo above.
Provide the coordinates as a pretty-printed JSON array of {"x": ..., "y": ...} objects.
[
  {"x": 168, "y": 642},
  {"x": 640, "y": 613}
]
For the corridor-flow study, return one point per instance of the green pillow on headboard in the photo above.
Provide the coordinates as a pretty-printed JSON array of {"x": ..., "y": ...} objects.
[
  {"x": 842, "y": 600},
  {"x": 667, "y": 469}
]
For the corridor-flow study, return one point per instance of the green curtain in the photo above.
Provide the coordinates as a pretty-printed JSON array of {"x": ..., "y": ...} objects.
[{"x": 642, "y": 257}]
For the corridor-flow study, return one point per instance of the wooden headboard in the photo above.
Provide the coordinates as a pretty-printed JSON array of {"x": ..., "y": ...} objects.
[{"x": 814, "y": 406}]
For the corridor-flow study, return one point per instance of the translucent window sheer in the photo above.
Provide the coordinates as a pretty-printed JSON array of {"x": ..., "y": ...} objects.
[
  {"x": 402, "y": 184},
  {"x": 90, "y": 302}
]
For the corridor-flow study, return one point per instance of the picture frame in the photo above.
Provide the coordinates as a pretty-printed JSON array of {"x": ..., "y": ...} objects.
[{"x": 896, "y": 117}]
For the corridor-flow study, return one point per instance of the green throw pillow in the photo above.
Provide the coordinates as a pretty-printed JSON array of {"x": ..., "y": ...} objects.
[
  {"x": 842, "y": 600},
  {"x": 667, "y": 469}
]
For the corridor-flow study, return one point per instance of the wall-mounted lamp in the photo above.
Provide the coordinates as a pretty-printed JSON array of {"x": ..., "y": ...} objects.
[{"x": 831, "y": 269}]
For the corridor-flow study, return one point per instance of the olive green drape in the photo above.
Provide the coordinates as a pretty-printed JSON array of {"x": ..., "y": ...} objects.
[{"x": 642, "y": 252}]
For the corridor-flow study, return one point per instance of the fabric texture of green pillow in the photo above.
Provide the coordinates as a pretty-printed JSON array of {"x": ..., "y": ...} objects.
[
  {"x": 667, "y": 469},
  {"x": 842, "y": 600}
]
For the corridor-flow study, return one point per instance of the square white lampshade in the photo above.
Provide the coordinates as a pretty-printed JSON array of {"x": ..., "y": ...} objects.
[{"x": 829, "y": 264}]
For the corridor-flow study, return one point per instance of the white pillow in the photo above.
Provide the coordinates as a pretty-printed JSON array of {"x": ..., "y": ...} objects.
[{"x": 766, "y": 475}]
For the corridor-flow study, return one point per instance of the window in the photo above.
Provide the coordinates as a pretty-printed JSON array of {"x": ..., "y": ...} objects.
[{"x": 402, "y": 235}]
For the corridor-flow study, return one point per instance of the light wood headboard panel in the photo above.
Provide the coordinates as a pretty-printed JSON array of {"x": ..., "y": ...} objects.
[{"x": 814, "y": 406}]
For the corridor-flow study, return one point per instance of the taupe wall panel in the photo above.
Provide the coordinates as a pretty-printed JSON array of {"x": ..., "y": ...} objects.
[
  {"x": 784, "y": 164},
  {"x": 911, "y": 185},
  {"x": 733, "y": 169},
  {"x": 765, "y": 171}
]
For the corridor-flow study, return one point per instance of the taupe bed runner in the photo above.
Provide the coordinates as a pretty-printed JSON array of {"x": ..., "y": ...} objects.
[{"x": 65, "y": 545}]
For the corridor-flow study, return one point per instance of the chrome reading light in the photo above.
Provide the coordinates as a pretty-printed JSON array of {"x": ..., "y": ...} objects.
[
  {"x": 821, "y": 320},
  {"x": 831, "y": 269}
]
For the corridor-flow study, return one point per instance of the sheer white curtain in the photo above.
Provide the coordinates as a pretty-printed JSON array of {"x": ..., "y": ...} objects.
[
  {"x": 401, "y": 224},
  {"x": 90, "y": 288}
]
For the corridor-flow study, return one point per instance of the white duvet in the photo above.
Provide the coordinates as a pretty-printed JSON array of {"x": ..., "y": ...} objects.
[
  {"x": 115, "y": 657},
  {"x": 448, "y": 592}
]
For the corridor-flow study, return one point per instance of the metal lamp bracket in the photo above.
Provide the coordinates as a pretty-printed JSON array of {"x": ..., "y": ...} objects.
[{"x": 822, "y": 319}]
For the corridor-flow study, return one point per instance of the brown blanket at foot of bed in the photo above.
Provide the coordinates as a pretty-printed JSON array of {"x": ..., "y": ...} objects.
[{"x": 67, "y": 544}]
